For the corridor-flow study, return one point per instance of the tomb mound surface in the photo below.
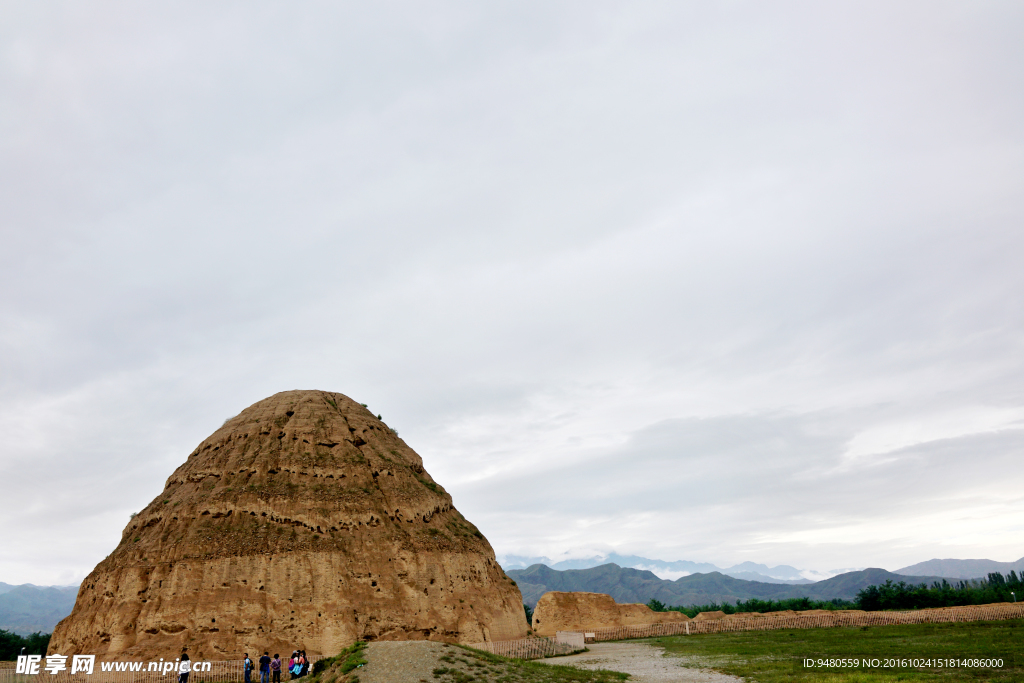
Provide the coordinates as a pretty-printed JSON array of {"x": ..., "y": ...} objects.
[{"x": 302, "y": 523}]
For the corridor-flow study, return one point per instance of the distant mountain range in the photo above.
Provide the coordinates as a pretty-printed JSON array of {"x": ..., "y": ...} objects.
[
  {"x": 627, "y": 584},
  {"x": 783, "y": 573},
  {"x": 750, "y": 571},
  {"x": 27, "y": 608},
  {"x": 963, "y": 569}
]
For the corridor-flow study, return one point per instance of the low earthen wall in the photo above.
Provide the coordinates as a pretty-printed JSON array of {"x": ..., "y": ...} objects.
[
  {"x": 817, "y": 619},
  {"x": 580, "y": 611}
]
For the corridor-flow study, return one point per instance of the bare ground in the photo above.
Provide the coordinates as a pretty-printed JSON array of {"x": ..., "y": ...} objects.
[
  {"x": 401, "y": 662},
  {"x": 414, "y": 662},
  {"x": 645, "y": 663}
]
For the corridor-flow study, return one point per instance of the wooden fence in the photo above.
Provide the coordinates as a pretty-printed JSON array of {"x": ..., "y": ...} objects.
[{"x": 532, "y": 648}]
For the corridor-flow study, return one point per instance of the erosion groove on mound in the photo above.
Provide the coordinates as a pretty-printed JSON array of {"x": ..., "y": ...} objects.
[{"x": 304, "y": 522}]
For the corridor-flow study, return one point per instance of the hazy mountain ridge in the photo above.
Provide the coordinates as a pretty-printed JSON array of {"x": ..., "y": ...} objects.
[
  {"x": 750, "y": 571},
  {"x": 963, "y": 569},
  {"x": 626, "y": 584},
  {"x": 29, "y": 608}
]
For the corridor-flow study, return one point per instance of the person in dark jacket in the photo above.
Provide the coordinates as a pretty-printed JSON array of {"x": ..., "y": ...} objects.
[{"x": 265, "y": 667}]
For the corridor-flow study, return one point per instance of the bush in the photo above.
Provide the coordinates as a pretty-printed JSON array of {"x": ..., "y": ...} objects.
[{"x": 345, "y": 661}]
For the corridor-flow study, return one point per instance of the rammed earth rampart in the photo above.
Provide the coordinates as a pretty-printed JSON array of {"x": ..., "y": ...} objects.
[
  {"x": 810, "y": 619},
  {"x": 302, "y": 523}
]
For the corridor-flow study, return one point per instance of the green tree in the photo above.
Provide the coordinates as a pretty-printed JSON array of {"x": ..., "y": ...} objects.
[
  {"x": 656, "y": 605},
  {"x": 11, "y": 644},
  {"x": 889, "y": 595}
]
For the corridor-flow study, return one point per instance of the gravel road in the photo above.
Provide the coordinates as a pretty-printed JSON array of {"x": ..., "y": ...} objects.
[{"x": 644, "y": 663}]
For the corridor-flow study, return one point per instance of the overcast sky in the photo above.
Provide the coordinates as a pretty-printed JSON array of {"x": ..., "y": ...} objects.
[{"x": 716, "y": 282}]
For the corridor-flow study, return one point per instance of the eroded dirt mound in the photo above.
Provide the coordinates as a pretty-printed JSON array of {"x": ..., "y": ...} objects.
[
  {"x": 578, "y": 611},
  {"x": 303, "y": 522},
  {"x": 705, "y": 616}
]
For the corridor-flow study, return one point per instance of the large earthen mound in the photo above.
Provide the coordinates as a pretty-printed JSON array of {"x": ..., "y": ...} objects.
[
  {"x": 304, "y": 522},
  {"x": 578, "y": 611}
]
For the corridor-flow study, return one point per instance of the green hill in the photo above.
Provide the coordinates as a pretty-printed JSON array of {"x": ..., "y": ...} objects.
[{"x": 637, "y": 585}]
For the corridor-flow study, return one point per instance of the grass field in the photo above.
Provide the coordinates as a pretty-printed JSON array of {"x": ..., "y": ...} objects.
[{"x": 771, "y": 656}]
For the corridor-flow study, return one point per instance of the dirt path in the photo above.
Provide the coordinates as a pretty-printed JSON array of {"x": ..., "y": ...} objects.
[
  {"x": 644, "y": 663},
  {"x": 413, "y": 662},
  {"x": 400, "y": 662}
]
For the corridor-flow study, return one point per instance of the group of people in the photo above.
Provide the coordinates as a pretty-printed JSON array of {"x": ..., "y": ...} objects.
[{"x": 298, "y": 666}]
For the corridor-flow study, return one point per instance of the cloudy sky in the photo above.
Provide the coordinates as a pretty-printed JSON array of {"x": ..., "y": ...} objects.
[{"x": 708, "y": 281}]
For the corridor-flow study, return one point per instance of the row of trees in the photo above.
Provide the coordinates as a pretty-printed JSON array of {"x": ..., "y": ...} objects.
[
  {"x": 753, "y": 605},
  {"x": 994, "y": 588},
  {"x": 11, "y": 644}
]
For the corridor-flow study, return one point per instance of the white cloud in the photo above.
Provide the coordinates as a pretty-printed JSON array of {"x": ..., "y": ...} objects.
[
  {"x": 661, "y": 573},
  {"x": 879, "y": 439},
  {"x": 717, "y": 283}
]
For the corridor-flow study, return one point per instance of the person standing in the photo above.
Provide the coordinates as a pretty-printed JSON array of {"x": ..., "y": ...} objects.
[
  {"x": 275, "y": 668},
  {"x": 265, "y": 667},
  {"x": 247, "y": 666},
  {"x": 293, "y": 665},
  {"x": 184, "y": 668},
  {"x": 303, "y": 664}
]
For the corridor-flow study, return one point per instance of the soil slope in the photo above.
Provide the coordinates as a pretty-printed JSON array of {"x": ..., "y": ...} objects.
[
  {"x": 304, "y": 522},
  {"x": 558, "y": 611}
]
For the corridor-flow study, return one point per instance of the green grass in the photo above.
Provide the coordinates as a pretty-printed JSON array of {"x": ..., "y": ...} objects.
[
  {"x": 771, "y": 656},
  {"x": 337, "y": 667},
  {"x": 464, "y": 665}
]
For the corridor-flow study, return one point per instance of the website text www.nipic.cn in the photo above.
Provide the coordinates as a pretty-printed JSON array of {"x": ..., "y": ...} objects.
[{"x": 85, "y": 664}]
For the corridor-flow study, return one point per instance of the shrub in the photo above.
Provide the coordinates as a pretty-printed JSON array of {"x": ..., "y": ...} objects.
[{"x": 345, "y": 661}]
